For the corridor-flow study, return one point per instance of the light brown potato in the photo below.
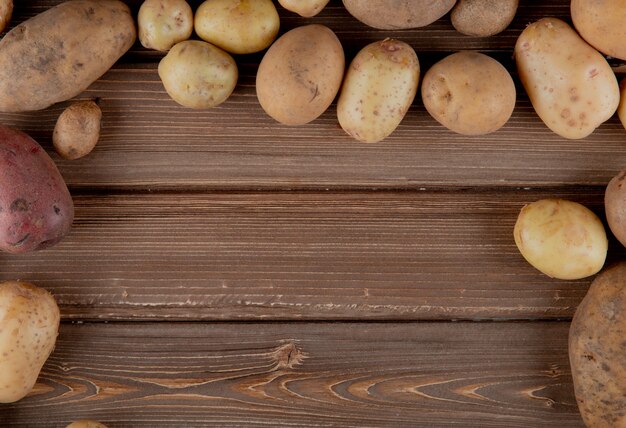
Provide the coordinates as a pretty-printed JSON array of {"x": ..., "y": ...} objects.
[
  {"x": 469, "y": 93},
  {"x": 198, "y": 75},
  {"x": 615, "y": 206},
  {"x": 378, "y": 90},
  {"x": 163, "y": 23},
  {"x": 398, "y": 14},
  {"x": 571, "y": 86},
  {"x": 597, "y": 351},
  {"x": 306, "y": 8},
  {"x": 483, "y": 18},
  {"x": 238, "y": 26},
  {"x": 86, "y": 424},
  {"x": 29, "y": 325},
  {"x": 601, "y": 23},
  {"x": 6, "y": 10},
  {"x": 57, "y": 54},
  {"x": 621, "y": 109},
  {"x": 300, "y": 74},
  {"x": 562, "y": 239},
  {"x": 77, "y": 130}
]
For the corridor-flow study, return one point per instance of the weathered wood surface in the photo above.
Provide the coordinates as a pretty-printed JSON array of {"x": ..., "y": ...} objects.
[{"x": 349, "y": 375}]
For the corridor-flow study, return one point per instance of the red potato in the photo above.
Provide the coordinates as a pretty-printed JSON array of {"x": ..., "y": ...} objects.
[{"x": 36, "y": 209}]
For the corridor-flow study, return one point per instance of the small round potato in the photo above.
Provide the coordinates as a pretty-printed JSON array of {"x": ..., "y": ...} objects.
[
  {"x": 238, "y": 26},
  {"x": 398, "y": 14},
  {"x": 482, "y": 18},
  {"x": 615, "y": 206},
  {"x": 306, "y": 8},
  {"x": 198, "y": 75},
  {"x": 77, "y": 130},
  {"x": 163, "y": 23},
  {"x": 562, "y": 239},
  {"x": 84, "y": 423},
  {"x": 601, "y": 23},
  {"x": 6, "y": 10},
  {"x": 469, "y": 93}
]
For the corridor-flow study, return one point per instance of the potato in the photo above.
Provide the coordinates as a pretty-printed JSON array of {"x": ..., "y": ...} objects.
[
  {"x": 306, "y": 8},
  {"x": 378, "y": 90},
  {"x": 6, "y": 10},
  {"x": 597, "y": 351},
  {"x": 621, "y": 109},
  {"x": 86, "y": 424},
  {"x": 560, "y": 238},
  {"x": 57, "y": 54},
  {"x": 398, "y": 14},
  {"x": 163, "y": 23},
  {"x": 77, "y": 130},
  {"x": 300, "y": 75},
  {"x": 36, "y": 209},
  {"x": 615, "y": 206},
  {"x": 482, "y": 18},
  {"x": 29, "y": 325},
  {"x": 238, "y": 26},
  {"x": 469, "y": 93},
  {"x": 601, "y": 23},
  {"x": 198, "y": 75},
  {"x": 570, "y": 85}
]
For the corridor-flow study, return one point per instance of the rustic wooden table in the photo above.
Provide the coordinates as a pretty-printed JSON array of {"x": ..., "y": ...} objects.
[{"x": 224, "y": 270}]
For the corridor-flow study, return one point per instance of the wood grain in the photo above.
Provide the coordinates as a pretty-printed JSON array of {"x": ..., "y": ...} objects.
[
  {"x": 300, "y": 374},
  {"x": 357, "y": 255}
]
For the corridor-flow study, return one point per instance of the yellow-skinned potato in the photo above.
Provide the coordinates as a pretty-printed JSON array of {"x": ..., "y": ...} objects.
[
  {"x": 6, "y": 10},
  {"x": 615, "y": 206},
  {"x": 306, "y": 8},
  {"x": 469, "y": 93},
  {"x": 29, "y": 325},
  {"x": 300, "y": 74},
  {"x": 198, "y": 75},
  {"x": 163, "y": 23},
  {"x": 77, "y": 130},
  {"x": 571, "y": 86},
  {"x": 238, "y": 26},
  {"x": 602, "y": 24},
  {"x": 562, "y": 239},
  {"x": 378, "y": 90},
  {"x": 398, "y": 14},
  {"x": 85, "y": 423},
  {"x": 482, "y": 18}
]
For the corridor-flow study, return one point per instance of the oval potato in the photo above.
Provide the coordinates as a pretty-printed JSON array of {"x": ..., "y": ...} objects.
[
  {"x": 621, "y": 109},
  {"x": 57, "y": 54},
  {"x": 198, "y": 75},
  {"x": 300, "y": 74},
  {"x": 77, "y": 130},
  {"x": 378, "y": 90},
  {"x": 483, "y": 18},
  {"x": 163, "y": 23},
  {"x": 238, "y": 26},
  {"x": 29, "y": 325},
  {"x": 562, "y": 239},
  {"x": 597, "y": 350},
  {"x": 601, "y": 23},
  {"x": 6, "y": 10},
  {"x": 306, "y": 8},
  {"x": 398, "y": 14},
  {"x": 571, "y": 86},
  {"x": 469, "y": 93},
  {"x": 84, "y": 423},
  {"x": 615, "y": 206}
]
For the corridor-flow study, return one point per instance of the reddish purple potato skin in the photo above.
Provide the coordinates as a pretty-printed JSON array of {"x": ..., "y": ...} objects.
[
  {"x": 597, "y": 351},
  {"x": 615, "y": 206},
  {"x": 36, "y": 209}
]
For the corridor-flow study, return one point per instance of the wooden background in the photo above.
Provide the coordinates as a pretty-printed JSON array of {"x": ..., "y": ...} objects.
[{"x": 225, "y": 270}]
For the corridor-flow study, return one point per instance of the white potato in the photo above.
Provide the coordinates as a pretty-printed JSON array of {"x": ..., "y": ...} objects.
[
  {"x": 163, "y": 23},
  {"x": 306, "y": 8}
]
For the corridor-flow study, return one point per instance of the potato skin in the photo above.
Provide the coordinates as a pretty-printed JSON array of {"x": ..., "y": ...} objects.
[
  {"x": 483, "y": 18},
  {"x": 562, "y": 239},
  {"x": 198, "y": 75},
  {"x": 77, "y": 130},
  {"x": 36, "y": 209},
  {"x": 601, "y": 23},
  {"x": 306, "y": 8},
  {"x": 300, "y": 74},
  {"x": 238, "y": 26},
  {"x": 621, "y": 109},
  {"x": 571, "y": 86},
  {"x": 57, "y": 54},
  {"x": 84, "y": 423},
  {"x": 597, "y": 349},
  {"x": 29, "y": 325},
  {"x": 163, "y": 23},
  {"x": 469, "y": 93},
  {"x": 6, "y": 10},
  {"x": 378, "y": 90},
  {"x": 398, "y": 14},
  {"x": 615, "y": 206}
]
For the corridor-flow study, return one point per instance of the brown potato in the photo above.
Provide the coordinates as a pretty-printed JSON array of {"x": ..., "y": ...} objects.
[
  {"x": 77, "y": 130},
  {"x": 601, "y": 23},
  {"x": 615, "y": 206},
  {"x": 300, "y": 74},
  {"x": 482, "y": 18},
  {"x": 6, "y": 10},
  {"x": 398, "y": 14},
  {"x": 57, "y": 54},
  {"x": 86, "y": 424},
  {"x": 469, "y": 93},
  {"x": 163, "y": 23},
  {"x": 621, "y": 109},
  {"x": 306, "y": 8},
  {"x": 29, "y": 325},
  {"x": 597, "y": 351}
]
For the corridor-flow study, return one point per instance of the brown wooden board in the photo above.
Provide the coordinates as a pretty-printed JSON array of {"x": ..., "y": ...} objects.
[{"x": 300, "y": 374}]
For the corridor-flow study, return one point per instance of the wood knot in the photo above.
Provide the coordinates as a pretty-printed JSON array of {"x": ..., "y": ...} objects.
[{"x": 288, "y": 356}]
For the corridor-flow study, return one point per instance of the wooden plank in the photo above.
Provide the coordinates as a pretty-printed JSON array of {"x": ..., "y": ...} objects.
[
  {"x": 350, "y": 375},
  {"x": 383, "y": 255}
]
